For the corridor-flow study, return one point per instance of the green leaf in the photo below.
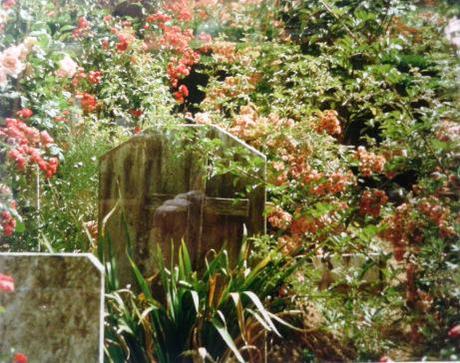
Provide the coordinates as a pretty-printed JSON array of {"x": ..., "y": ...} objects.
[
  {"x": 255, "y": 299},
  {"x": 20, "y": 227},
  {"x": 142, "y": 282},
  {"x": 222, "y": 330}
]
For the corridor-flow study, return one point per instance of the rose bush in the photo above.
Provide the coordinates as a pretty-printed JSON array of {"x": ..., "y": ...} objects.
[{"x": 355, "y": 104}]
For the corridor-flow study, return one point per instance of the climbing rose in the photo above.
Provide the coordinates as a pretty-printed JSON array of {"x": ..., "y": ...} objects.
[
  {"x": 28, "y": 146},
  {"x": 6, "y": 283}
]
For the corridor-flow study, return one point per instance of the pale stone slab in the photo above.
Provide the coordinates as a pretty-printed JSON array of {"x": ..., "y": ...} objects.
[{"x": 56, "y": 312}]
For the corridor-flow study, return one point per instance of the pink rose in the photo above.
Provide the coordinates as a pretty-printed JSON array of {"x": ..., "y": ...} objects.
[
  {"x": 67, "y": 68},
  {"x": 6, "y": 283},
  {"x": 10, "y": 61}
]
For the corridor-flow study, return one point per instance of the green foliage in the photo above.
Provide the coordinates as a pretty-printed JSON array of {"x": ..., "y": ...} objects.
[
  {"x": 210, "y": 312},
  {"x": 279, "y": 75}
]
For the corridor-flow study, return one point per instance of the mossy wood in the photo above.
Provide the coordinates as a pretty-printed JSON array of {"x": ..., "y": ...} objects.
[{"x": 158, "y": 190}]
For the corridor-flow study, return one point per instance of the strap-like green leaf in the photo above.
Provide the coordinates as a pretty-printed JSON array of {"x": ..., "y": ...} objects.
[
  {"x": 222, "y": 330},
  {"x": 255, "y": 299}
]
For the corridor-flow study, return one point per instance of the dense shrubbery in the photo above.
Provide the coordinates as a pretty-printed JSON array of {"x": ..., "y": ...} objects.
[{"x": 355, "y": 104}]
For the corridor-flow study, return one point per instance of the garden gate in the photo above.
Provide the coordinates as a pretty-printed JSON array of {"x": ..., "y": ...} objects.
[{"x": 157, "y": 189}]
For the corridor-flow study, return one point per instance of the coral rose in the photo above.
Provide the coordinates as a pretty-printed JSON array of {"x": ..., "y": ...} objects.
[{"x": 25, "y": 113}]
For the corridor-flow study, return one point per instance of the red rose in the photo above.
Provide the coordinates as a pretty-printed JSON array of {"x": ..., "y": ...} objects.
[
  {"x": 122, "y": 43},
  {"x": 88, "y": 102},
  {"x": 184, "y": 90}
]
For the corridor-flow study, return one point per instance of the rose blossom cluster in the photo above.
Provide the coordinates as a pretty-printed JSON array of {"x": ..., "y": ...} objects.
[
  {"x": 329, "y": 123},
  {"x": 289, "y": 244},
  {"x": 93, "y": 77},
  {"x": 306, "y": 224},
  {"x": 182, "y": 93},
  {"x": 182, "y": 9},
  {"x": 28, "y": 146},
  {"x": 401, "y": 230},
  {"x": 437, "y": 214},
  {"x": 321, "y": 184},
  {"x": 68, "y": 68},
  {"x": 178, "y": 41},
  {"x": 371, "y": 202},
  {"x": 224, "y": 51},
  {"x": 82, "y": 29},
  {"x": 279, "y": 218},
  {"x": 232, "y": 87},
  {"x": 369, "y": 163},
  {"x": 125, "y": 36},
  {"x": 88, "y": 102},
  {"x": 7, "y": 221},
  {"x": 249, "y": 125},
  {"x": 12, "y": 60}
]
